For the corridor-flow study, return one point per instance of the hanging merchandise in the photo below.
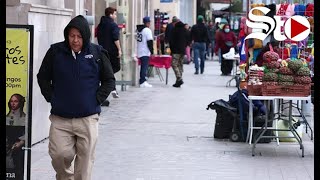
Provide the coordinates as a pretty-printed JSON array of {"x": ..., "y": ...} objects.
[
  {"x": 309, "y": 10},
  {"x": 290, "y": 10},
  {"x": 272, "y": 11},
  {"x": 243, "y": 55},
  {"x": 282, "y": 9},
  {"x": 255, "y": 54},
  {"x": 236, "y": 24},
  {"x": 257, "y": 12},
  {"x": 311, "y": 21},
  {"x": 231, "y": 23},
  {"x": 310, "y": 40},
  {"x": 300, "y": 9},
  {"x": 294, "y": 51}
]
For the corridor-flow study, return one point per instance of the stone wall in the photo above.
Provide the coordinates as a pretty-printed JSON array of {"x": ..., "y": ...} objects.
[{"x": 49, "y": 23}]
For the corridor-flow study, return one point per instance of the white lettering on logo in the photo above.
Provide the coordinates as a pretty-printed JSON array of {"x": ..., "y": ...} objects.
[
  {"x": 89, "y": 56},
  {"x": 296, "y": 27},
  {"x": 257, "y": 19}
]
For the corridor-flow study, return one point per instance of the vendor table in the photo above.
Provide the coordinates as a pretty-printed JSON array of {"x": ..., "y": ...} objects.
[
  {"x": 265, "y": 127},
  {"x": 236, "y": 62},
  {"x": 160, "y": 61}
]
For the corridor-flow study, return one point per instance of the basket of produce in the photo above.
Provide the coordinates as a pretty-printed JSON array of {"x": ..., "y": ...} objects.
[
  {"x": 270, "y": 90},
  {"x": 296, "y": 90},
  {"x": 270, "y": 77},
  {"x": 254, "y": 90},
  {"x": 295, "y": 65}
]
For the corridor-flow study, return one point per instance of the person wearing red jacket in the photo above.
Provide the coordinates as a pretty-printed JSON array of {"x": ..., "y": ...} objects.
[{"x": 225, "y": 40}]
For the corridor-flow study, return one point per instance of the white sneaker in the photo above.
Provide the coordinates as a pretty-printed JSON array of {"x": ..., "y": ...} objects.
[
  {"x": 145, "y": 85},
  {"x": 115, "y": 94}
]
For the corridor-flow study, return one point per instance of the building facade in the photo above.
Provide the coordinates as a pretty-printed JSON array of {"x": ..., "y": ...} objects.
[{"x": 49, "y": 18}]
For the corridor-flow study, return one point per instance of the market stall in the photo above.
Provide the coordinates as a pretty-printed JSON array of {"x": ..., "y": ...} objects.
[{"x": 279, "y": 72}]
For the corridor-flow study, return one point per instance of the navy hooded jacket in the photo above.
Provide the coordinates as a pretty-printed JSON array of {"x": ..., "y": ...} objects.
[{"x": 72, "y": 85}]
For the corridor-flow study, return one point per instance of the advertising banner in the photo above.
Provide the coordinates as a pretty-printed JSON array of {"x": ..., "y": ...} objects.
[{"x": 18, "y": 100}]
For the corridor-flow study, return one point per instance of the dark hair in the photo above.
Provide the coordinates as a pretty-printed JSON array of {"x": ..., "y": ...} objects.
[
  {"x": 224, "y": 26},
  {"x": 267, "y": 48},
  {"x": 109, "y": 10},
  {"x": 21, "y": 100}
]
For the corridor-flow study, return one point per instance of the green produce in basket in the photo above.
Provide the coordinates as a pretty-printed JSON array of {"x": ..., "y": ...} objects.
[
  {"x": 285, "y": 70},
  {"x": 285, "y": 83},
  {"x": 295, "y": 65},
  {"x": 302, "y": 79},
  {"x": 270, "y": 77},
  {"x": 286, "y": 78},
  {"x": 267, "y": 70},
  {"x": 303, "y": 71}
]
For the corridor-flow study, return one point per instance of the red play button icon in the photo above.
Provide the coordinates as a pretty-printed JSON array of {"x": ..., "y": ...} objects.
[{"x": 297, "y": 28}]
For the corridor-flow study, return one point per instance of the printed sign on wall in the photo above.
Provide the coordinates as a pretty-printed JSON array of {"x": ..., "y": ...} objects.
[{"x": 18, "y": 101}]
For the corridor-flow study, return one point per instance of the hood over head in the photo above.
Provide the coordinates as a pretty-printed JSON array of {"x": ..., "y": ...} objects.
[
  {"x": 180, "y": 24},
  {"x": 80, "y": 23},
  {"x": 104, "y": 19},
  {"x": 141, "y": 27}
]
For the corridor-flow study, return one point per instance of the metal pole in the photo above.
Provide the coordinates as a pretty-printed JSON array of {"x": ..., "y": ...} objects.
[{"x": 230, "y": 12}]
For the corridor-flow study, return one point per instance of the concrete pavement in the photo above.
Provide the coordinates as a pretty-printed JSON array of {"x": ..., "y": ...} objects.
[{"x": 165, "y": 133}]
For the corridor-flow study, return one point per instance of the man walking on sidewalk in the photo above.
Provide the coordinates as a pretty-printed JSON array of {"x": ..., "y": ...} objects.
[
  {"x": 200, "y": 36},
  {"x": 75, "y": 82},
  {"x": 178, "y": 46},
  {"x": 145, "y": 49},
  {"x": 108, "y": 38}
]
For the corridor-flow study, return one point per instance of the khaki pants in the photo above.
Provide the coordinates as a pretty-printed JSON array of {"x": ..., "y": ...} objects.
[{"x": 72, "y": 145}]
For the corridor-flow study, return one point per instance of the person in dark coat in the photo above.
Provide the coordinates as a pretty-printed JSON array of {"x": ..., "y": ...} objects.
[
  {"x": 189, "y": 41},
  {"x": 169, "y": 28},
  {"x": 200, "y": 36},
  {"x": 108, "y": 37},
  {"x": 75, "y": 82},
  {"x": 225, "y": 40},
  {"x": 179, "y": 41}
]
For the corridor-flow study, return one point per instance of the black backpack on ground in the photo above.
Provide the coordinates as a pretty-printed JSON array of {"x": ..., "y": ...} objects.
[{"x": 226, "y": 115}]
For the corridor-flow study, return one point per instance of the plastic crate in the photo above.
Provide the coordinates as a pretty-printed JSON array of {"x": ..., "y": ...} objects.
[{"x": 254, "y": 90}]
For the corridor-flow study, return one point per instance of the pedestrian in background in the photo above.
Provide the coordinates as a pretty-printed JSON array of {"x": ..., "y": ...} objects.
[
  {"x": 225, "y": 40},
  {"x": 189, "y": 40},
  {"x": 200, "y": 37},
  {"x": 212, "y": 32},
  {"x": 178, "y": 44},
  {"x": 108, "y": 37},
  {"x": 75, "y": 82},
  {"x": 217, "y": 31},
  {"x": 169, "y": 28},
  {"x": 144, "y": 49}
]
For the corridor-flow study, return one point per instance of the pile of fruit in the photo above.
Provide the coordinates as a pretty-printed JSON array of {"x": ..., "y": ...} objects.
[
  {"x": 286, "y": 77},
  {"x": 270, "y": 56},
  {"x": 286, "y": 73},
  {"x": 282, "y": 77}
]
